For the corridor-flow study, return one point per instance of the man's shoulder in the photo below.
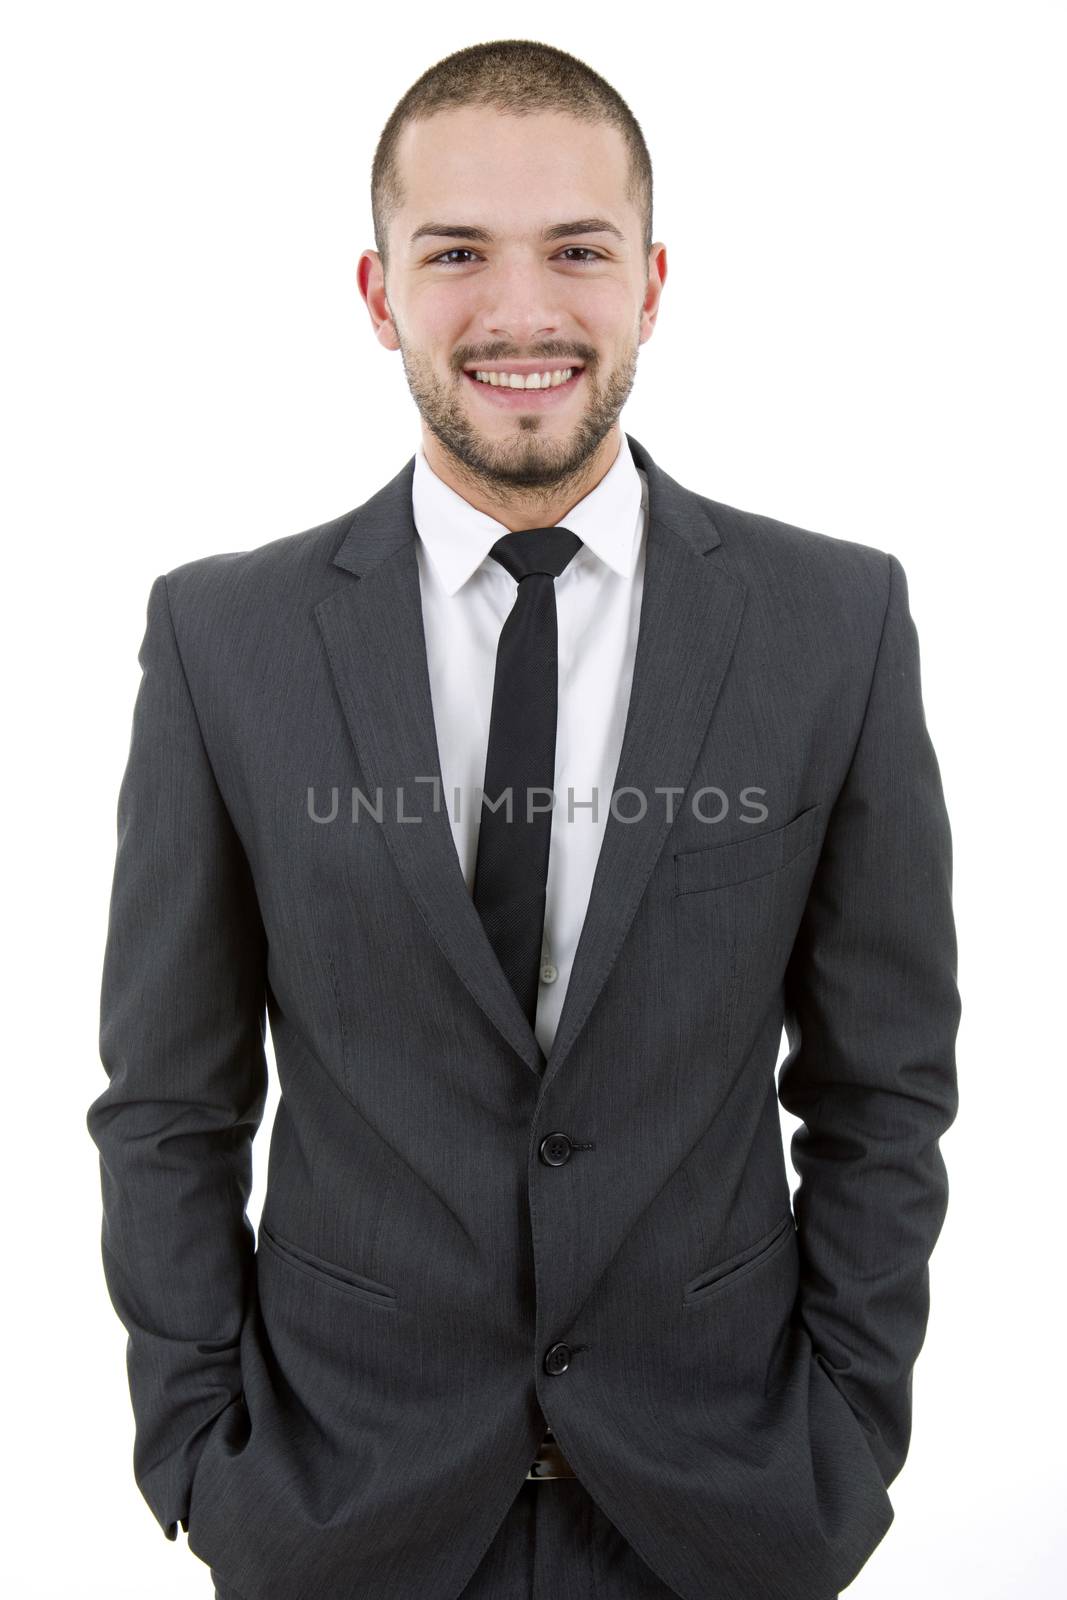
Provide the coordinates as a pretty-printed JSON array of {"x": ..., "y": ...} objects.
[
  {"x": 291, "y": 572},
  {"x": 283, "y": 556},
  {"x": 759, "y": 538},
  {"x": 798, "y": 566}
]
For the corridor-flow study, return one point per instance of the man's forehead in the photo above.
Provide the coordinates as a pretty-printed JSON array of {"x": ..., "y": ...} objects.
[
  {"x": 513, "y": 183},
  {"x": 468, "y": 141}
]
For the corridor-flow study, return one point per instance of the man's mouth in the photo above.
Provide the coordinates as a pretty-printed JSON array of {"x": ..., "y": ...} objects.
[{"x": 532, "y": 390}]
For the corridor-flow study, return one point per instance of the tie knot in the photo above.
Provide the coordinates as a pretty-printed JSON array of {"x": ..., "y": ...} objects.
[{"x": 529, "y": 550}]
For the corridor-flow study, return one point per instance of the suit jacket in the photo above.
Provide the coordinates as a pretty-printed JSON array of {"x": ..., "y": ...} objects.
[{"x": 461, "y": 1240}]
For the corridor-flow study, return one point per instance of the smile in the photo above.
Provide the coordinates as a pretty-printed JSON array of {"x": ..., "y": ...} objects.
[{"x": 501, "y": 392}]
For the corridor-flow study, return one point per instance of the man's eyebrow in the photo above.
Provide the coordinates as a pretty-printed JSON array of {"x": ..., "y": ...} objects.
[{"x": 558, "y": 230}]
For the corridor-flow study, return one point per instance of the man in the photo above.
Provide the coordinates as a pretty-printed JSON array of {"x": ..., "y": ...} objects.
[{"x": 531, "y": 1311}]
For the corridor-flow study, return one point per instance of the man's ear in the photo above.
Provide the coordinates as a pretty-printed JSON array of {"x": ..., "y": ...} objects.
[{"x": 370, "y": 277}]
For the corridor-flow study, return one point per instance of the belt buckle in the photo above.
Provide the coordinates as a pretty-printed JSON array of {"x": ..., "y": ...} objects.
[{"x": 550, "y": 1462}]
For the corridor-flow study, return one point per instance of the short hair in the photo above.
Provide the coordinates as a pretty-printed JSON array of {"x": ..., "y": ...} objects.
[{"x": 520, "y": 77}]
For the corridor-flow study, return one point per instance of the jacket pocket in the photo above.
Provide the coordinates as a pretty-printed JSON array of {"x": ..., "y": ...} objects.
[
  {"x": 715, "y": 866},
  {"x": 699, "y": 1290},
  {"x": 328, "y": 1272}
]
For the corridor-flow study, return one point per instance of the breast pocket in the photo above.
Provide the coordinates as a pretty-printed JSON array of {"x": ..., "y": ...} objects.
[
  {"x": 734, "y": 906},
  {"x": 718, "y": 866}
]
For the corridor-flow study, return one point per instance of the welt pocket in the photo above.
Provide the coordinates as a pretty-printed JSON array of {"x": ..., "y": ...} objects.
[
  {"x": 715, "y": 866},
  {"x": 712, "y": 1279},
  {"x": 329, "y": 1272}
]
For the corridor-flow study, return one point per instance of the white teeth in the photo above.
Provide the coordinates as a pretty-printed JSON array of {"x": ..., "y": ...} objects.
[{"x": 534, "y": 380}]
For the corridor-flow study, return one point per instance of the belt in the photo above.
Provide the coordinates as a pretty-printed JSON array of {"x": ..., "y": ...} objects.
[{"x": 550, "y": 1462}]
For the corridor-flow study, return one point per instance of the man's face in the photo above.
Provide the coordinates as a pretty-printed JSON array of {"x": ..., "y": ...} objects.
[{"x": 455, "y": 304}]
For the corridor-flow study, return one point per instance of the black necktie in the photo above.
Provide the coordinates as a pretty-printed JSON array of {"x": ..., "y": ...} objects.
[{"x": 511, "y": 869}]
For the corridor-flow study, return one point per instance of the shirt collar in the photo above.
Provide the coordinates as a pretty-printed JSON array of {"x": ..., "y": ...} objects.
[{"x": 458, "y": 537}]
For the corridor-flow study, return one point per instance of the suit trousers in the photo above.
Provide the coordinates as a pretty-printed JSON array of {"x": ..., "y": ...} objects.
[{"x": 554, "y": 1544}]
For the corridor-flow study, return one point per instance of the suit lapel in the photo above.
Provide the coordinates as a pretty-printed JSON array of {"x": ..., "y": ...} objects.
[{"x": 373, "y": 632}]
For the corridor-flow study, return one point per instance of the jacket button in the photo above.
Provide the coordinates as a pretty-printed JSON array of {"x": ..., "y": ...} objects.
[
  {"x": 558, "y": 1358},
  {"x": 555, "y": 1149}
]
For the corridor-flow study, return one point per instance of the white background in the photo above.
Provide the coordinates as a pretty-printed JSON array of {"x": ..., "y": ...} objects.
[{"x": 862, "y": 332}]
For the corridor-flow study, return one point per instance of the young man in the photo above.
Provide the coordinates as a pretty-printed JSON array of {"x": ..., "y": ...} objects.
[{"x": 529, "y": 801}]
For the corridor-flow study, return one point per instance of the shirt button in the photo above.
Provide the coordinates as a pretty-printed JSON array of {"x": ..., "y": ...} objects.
[{"x": 549, "y": 972}]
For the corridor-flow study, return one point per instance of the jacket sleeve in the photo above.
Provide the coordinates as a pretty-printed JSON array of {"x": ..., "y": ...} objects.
[
  {"x": 871, "y": 1013},
  {"x": 182, "y": 1035}
]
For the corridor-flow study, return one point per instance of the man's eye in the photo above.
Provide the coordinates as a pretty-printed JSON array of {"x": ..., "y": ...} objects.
[{"x": 460, "y": 250}]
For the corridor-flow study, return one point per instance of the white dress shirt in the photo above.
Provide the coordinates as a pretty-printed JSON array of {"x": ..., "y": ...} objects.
[{"x": 466, "y": 598}]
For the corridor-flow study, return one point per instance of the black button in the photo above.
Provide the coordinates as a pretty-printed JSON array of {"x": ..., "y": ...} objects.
[
  {"x": 558, "y": 1358},
  {"x": 555, "y": 1149}
]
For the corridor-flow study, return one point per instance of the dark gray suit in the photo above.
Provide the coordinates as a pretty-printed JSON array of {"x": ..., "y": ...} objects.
[{"x": 350, "y": 1409}]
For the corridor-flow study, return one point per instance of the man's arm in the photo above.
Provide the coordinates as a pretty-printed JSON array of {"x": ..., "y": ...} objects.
[
  {"x": 872, "y": 1011},
  {"x": 181, "y": 1039}
]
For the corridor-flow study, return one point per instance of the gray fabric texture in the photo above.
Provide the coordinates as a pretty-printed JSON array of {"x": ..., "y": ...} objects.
[{"x": 349, "y": 1404}]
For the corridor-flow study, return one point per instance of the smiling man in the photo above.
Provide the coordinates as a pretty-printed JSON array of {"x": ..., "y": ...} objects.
[
  {"x": 516, "y": 274},
  {"x": 530, "y": 802}
]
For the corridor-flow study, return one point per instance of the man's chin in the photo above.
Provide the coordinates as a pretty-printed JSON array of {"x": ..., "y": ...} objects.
[{"x": 518, "y": 452}]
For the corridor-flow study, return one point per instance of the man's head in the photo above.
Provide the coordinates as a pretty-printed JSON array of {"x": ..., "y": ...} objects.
[{"x": 511, "y": 194}]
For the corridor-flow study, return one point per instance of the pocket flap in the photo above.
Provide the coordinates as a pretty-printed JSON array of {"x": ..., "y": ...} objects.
[{"x": 714, "y": 866}]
